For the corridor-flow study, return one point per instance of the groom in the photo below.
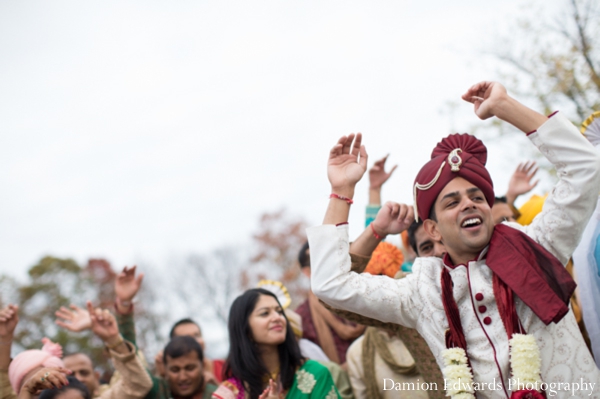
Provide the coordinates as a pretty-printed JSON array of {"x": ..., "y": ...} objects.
[{"x": 500, "y": 291}]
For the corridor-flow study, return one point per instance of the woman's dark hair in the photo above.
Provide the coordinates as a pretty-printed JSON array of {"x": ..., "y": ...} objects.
[
  {"x": 74, "y": 384},
  {"x": 244, "y": 361}
]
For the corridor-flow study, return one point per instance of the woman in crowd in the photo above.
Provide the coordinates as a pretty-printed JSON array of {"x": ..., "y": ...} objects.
[{"x": 264, "y": 359}]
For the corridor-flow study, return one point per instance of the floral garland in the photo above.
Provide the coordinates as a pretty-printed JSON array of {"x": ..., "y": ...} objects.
[
  {"x": 457, "y": 374},
  {"x": 386, "y": 260},
  {"x": 525, "y": 364}
]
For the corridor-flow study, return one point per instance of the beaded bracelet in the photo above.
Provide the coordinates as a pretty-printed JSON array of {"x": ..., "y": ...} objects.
[
  {"x": 375, "y": 233},
  {"x": 341, "y": 197}
]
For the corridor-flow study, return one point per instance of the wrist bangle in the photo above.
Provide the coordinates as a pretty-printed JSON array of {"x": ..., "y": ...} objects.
[
  {"x": 125, "y": 303},
  {"x": 113, "y": 346},
  {"x": 341, "y": 197},
  {"x": 6, "y": 342},
  {"x": 375, "y": 233},
  {"x": 128, "y": 305}
]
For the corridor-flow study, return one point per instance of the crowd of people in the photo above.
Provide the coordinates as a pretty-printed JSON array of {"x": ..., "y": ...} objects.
[{"x": 480, "y": 302}]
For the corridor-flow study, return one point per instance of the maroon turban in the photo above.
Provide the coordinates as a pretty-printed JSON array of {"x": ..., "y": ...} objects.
[
  {"x": 520, "y": 264},
  {"x": 456, "y": 155}
]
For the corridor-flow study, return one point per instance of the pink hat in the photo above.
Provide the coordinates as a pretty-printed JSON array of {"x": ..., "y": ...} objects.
[{"x": 24, "y": 362}]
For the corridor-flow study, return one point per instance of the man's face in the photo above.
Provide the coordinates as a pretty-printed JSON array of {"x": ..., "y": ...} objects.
[
  {"x": 185, "y": 375},
  {"x": 83, "y": 370},
  {"x": 501, "y": 212},
  {"x": 189, "y": 330},
  {"x": 464, "y": 220},
  {"x": 426, "y": 246}
]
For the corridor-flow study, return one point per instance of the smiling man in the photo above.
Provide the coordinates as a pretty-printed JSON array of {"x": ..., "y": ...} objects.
[
  {"x": 184, "y": 372},
  {"x": 499, "y": 297}
]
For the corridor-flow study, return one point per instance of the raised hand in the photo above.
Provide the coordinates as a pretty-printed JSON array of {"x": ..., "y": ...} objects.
[
  {"x": 75, "y": 319},
  {"x": 486, "y": 96},
  {"x": 104, "y": 324},
  {"x": 46, "y": 378},
  {"x": 521, "y": 181},
  {"x": 393, "y": 218},
  {"x": 347, "y": 164},
  {"x": 9, "y": 318},
  {"x": 377, "y": 174},
  {"x": 159, "y": 365},
  {"x": 127, "y": 284}
]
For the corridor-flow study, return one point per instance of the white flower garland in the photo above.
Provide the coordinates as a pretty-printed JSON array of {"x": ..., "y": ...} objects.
[
  {"x": 525, "y": 360},
  {"x": 457, "y": 374},
  {"x": 525, "y": 364}
]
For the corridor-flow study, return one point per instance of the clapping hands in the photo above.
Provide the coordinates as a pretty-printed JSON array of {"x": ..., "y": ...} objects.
[{"x": 271, "y": 392}]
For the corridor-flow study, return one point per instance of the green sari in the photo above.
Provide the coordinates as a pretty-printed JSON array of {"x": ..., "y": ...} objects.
[{"x": 312, "y": 380}]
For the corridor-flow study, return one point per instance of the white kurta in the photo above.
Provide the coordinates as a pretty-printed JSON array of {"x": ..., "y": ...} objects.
[{"x": 416, "y": 302}]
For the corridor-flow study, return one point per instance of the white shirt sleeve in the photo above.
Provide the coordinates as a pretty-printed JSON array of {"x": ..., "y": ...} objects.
[
  {"x": 378, "y": 297},
  {"x": 570, "y": 204},
  {"x": 312, "y": 351}
]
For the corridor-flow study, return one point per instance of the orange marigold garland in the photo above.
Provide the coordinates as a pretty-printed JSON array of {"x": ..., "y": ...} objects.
[{"x": 386, "y": 259}]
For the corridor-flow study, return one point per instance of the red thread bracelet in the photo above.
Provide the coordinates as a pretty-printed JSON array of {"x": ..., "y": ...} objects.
[
  {"x": 375, "y": 233},
  {"x": 341, "y": 197}
]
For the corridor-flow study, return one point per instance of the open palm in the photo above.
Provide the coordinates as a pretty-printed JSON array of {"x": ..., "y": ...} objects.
[
  {"x": 377, "y": 174},
  {"x": 521, "y": 181},
  {"x": 347, "y": 163},
  {"x": 75, "y": 319},
  {"x": 127, "y": 284}
]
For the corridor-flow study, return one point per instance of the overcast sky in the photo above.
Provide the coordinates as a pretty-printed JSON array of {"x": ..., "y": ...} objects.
[{"x": 141, "y": 129}]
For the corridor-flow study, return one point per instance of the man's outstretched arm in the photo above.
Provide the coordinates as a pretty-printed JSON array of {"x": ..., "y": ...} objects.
[
  {"x": 572, "y": 200},
  {"x": 331, "y": 279},
  {"x": 491, "y": 99},
  {"x": 392, "y": 218},
  {"x": 346, "y": 166}
]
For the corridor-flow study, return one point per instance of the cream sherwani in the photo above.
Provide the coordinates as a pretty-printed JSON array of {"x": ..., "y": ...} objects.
[{"x": 415, "y": 301}]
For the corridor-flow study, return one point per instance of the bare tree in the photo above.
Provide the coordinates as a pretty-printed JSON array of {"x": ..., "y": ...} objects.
[
  {"x": 275, "y": 248},
  {"x": 213, "y": 281},
  {"x": 555, "y": 59}
]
